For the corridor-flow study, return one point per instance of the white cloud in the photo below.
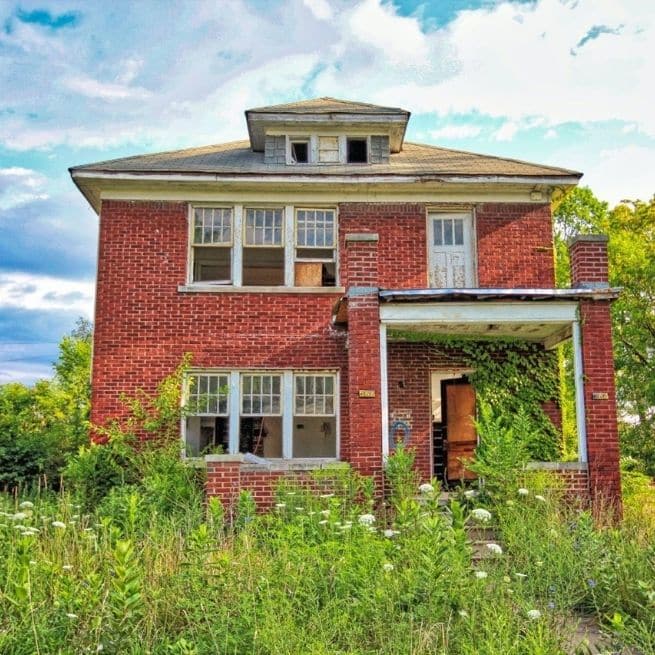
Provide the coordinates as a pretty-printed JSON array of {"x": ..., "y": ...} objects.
[
  {"x": 623, "y": 173},
  {"x": 456, "y": 132},
  {"x": 506, "y": 131},
  {"x": 20, "y": 185},
  {"x": 320, "y": 8},
  {"x": 550, "y": 134},
  {"x": 45, "y": 293},
  {"x": 91, "y": 88}
]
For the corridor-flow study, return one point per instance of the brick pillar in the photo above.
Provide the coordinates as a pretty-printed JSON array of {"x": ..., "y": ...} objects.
[
  {"x": 364, "y": 409},
  {"x": 589, "y": 270},
  {"x": 223, "y": 478}
]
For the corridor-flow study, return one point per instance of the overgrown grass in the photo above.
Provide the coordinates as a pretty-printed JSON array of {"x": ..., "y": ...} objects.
[{"x": 147, "y": 572}]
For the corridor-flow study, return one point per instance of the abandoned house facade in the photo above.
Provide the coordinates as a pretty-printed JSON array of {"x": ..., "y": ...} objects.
[{"x": 291, "y": 265}]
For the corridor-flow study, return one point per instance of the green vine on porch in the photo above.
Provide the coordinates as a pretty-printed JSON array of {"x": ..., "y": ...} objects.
[{"x": 512, "y": 376}]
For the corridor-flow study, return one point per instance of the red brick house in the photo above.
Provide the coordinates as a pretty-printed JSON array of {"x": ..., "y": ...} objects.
[{"x": 287, "y": 264}]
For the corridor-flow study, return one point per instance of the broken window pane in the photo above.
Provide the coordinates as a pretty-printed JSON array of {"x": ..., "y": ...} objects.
[
  {"x": 261, "y": 436},
  {"x": 357, "y": 151},
  {"x": 299, "y": 152}
]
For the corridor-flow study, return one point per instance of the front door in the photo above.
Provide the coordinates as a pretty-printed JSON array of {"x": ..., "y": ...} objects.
[{"x": 458, "y": 399}]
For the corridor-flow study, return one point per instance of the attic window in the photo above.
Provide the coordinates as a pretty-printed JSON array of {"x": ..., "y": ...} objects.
[
  {"x": 357, "y": 151},
  {"x": 300, "y": 151}
]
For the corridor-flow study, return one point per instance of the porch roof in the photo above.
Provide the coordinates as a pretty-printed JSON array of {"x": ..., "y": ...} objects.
[{"x": 545, "y": 316}]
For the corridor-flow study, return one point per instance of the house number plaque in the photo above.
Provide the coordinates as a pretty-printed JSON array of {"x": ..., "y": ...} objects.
[
  {"x": 600, "y": 395},
  {"x": 366, "y": 393}
]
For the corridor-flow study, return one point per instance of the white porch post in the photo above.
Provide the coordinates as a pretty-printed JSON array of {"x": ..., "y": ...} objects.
[
  {"x": 384, "y": 391},
  {"x": 234, "y": 401},
  {"x": 287, "y": 415},
  {"x": 578, "y": 373}
]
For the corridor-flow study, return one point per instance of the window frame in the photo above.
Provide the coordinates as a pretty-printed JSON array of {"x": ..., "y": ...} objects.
[
  {"x": 191, "y": 252},
  {"x": 287, "y": 409},
  {"x": 288, "y": 246}
]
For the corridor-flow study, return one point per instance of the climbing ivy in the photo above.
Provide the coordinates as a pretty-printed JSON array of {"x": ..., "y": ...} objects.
[{"x": 513, "y": 377}]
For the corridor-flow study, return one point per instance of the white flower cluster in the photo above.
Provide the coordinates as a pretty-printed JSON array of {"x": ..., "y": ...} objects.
[
  {"x": 481, "y": 515},
  {"x": 426, "y": 489}
]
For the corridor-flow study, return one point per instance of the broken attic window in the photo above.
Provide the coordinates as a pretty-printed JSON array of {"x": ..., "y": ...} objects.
[
  {"x": 299, "y": 152},
  {"x": 357, "y": 151}
]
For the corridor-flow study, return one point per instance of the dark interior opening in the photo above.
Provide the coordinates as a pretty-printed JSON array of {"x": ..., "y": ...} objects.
[
  {"x": 300, "y": 152},
  {"x": 357, "y": 153}
]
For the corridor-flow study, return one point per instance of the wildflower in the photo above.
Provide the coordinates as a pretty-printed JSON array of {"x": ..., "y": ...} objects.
[
  {"x": 539, "y": 563},
  {"x": 26, "y": 505},
  {"x": 71, "y": 616},
  {"x": 99, "y": 648},
  {"x": 345, "y": 526},
  {"x": 426, "y": 488},
  {"x": 291, "y": 493},
  {"x": 67, "y": 567},
  {"x": 481, "y": 575},
  {"x": 366, "y": 519},
  {"x": 481, "y": 515},
  {"x": 19, "y": 516},
  {"x": 464, "y": 614},
  {"x": 591, "y": 582},
  {"x": 520, "y": 576},
  {"x": 58, "y": 524},
  {"x": 323, "y": 522},
  {"x": 325, "y": 512},
  {"x": 327, "y": 495},
  {"x": 470, "y": 493},
  {"x": 280, "y": 505},
  {"x": 348, "y": 523},
  {"x": 18, "y": 526},
  {"x": 533, "y": 615},
  {"x": 27, "y": 533},
  {"x": 540, "y": 499},
  {"x": 388, "y": 533},
  {"x": 523, "y": 492},
  {"x": 495, "y": 549},
  {"x": 387, "y": 567},
  {"x": 311, "y": 513},
  {"x": 551, "y": 605},
  {"x": 300, "y": 509}
]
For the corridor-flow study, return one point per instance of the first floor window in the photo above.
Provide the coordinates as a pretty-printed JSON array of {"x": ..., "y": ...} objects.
[
  {"x": 261, "y": 423},
  {"x": 207, "y": 422}
]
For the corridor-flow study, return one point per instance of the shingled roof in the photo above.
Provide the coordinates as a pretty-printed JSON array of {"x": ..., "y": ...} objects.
[
  {"x": 236, "y": 158},
  {"x": 327, "y": 105}
]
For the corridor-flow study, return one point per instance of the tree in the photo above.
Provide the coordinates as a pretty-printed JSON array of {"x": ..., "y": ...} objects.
[
  {"x": 631, "y": 250},
  {"x": 41, "y": 426}
]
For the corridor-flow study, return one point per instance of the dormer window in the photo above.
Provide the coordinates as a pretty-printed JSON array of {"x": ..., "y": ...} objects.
[
  {"x": 357, "y": 151},
  {"x": 328, "y": 149},
  {"x": 300, "y": 151}
]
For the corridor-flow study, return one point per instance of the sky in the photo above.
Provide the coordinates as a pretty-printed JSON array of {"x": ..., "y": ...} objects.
[{"x": 561, "y": 82}]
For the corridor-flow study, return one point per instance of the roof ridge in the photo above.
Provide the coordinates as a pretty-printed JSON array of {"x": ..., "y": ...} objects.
[{"x": 433, "y": 146}]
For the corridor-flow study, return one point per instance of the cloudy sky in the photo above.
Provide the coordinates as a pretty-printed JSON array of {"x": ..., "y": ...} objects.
[{"x": 564, "y": 82}]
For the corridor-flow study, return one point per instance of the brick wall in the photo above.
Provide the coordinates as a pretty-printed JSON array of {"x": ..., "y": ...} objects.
[
  {"x": 588, "y": 260},
  {"x": 515, "y": 245}
]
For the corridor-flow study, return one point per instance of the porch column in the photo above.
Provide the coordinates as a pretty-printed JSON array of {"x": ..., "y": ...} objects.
[
  {"x": 589, "y": 270},
  {"x": 365, "y": 417}
]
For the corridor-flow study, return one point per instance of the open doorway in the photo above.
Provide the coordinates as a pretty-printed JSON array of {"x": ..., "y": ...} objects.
[{"x": 453, "y": 431}]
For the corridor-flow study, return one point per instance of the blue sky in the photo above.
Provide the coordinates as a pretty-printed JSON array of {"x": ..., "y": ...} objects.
[{"x": 563, "y": 82}]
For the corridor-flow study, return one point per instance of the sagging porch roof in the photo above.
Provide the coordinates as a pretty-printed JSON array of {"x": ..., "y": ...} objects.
[{"x": 544, "y": 316}]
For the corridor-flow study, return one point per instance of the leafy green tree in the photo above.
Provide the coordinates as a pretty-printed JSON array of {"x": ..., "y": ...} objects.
[
  {"x": 40, "y": 426},
  {"x": 631, "y": 230}
]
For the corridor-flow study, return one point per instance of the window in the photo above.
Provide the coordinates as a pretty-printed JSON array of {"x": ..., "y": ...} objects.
[
  {"x": 357, "y": 151},
  {"x": 245, "y": 412},
  {"x": 212, "y": 245},
  {"x": 263, "y": 248},
  {"x": 328, "y": 149},
  {"x": 300, "y": 151},
  {"x": 315, "y": 248},
  {"x": 314, "y": 417},
  {"x": 207, "y": 411},
  {"x": 451, "y": 251}
]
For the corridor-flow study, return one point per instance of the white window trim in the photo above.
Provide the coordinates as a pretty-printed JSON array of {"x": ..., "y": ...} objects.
[
  {"x": 238, "y": 245},
  {"x": 287, "y": 401}
]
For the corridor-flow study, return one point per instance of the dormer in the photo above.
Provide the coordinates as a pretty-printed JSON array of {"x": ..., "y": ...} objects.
[{"x": 326, "y": 131}]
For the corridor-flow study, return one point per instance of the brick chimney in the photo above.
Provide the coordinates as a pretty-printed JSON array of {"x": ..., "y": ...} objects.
[{"x": 588, "y": 254}]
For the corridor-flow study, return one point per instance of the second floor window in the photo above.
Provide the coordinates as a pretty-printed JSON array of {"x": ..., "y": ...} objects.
[
  {"x": 264, "y": 246},
  {"x": 451, "y": 260}
]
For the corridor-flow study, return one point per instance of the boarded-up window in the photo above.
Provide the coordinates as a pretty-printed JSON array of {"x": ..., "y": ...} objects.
[{"x": 328, "y": 149}]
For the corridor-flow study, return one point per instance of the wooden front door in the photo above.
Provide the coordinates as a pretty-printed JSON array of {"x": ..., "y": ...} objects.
[{"x": 458, "y": 399}]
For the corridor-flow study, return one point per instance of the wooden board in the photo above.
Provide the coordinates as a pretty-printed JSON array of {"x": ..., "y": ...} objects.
[{"x": 309, "y": 274}]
